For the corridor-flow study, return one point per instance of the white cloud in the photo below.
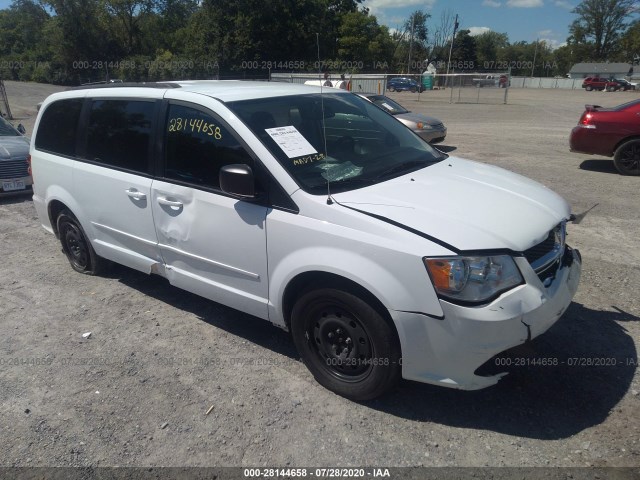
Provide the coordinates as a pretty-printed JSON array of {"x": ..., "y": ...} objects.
[
  {"x": 524, "y": 3},
  {"x": 377, "y": 5},
  {"x": 475, "y": 31},
  {"x": 491, "y": 3},
  {"x": 553, "y": 43},
  {"x": 545, "y": 33},
  {"x": 563, "y": 4}
]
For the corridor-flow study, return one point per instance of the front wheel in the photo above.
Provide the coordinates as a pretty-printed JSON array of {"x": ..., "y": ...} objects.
[
  {"x": 627, "y": 158},
  {"x": 391, "y": 89},
  {"x": 588, "y": 88},
  {"x": 346, "y": 344},
  {"x": 77, "y": 247}
]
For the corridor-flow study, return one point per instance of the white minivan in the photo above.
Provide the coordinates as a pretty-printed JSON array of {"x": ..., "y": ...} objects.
[{"x": 315, "y": 210}]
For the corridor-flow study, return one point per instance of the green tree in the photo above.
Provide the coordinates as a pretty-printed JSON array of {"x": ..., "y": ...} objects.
[
  {"x": 630, "y": 43},
  {"x": 488, "y": 45},
  {"x": 128, "y": 14},
  {"x": 464, "y": 51},
  {"x": 600, "y": 24},
  {"x": 362, "y": 40}
]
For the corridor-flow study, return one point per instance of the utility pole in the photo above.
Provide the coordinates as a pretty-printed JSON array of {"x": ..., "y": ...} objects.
[
  {"x": 453, "y": 37},
  {"x": 5, "y": 100},
  {"x": 413, "y": 19},
  {"x": 535, "y": 54}
]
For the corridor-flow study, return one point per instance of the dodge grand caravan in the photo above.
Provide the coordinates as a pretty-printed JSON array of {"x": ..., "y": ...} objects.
[{"x": 315, "y": 210}]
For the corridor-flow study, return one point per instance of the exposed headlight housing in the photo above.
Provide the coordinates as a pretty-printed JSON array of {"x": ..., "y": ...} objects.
[{"x": 474, "y": 279}]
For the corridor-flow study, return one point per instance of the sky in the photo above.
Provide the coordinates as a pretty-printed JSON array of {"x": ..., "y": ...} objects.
[{"x": 526, "y": 20}]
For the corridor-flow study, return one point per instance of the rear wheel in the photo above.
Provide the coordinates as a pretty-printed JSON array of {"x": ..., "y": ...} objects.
[
  {"x": 627, "y": 158},
  {"x": 414, "y": 89},
  {"x": 77, "y": 247},
  {"x": 588, "y": 88},
  {"x": 346, "y": 344},
  {"x": 391, "y": 88}
]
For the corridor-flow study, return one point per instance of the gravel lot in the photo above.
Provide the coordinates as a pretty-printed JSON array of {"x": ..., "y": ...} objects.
[{"x": 136, "y": 392}]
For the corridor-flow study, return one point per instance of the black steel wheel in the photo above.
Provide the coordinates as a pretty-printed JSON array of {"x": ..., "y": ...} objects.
[
  {"x": 76, "y": 246},
  {"x": 627, "y": 158},
  {"x": 346, "y": 344}
]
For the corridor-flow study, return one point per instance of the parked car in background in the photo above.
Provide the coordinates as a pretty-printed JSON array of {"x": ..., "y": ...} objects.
[
  {"x": 402, "y": 84},
  {"x": 14, "y": 150},
  {"x": 624, "y": 84},
  {"x": 490, "y": 81},
  {"x": 428, "y": 128},
  {"x": 613, "y": 132},
  {"x": 599, "y": 83}
]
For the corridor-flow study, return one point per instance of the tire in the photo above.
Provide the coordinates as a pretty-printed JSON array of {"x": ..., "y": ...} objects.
[
  {"x": 326, "y": 320},
  {"x": 627, "y": 158},
  {"x": 588, "y": 88},
  {"x": 76, "y": 246},
  {"x": 414, "y": 89},
  {"x": 391, "y": 88}
]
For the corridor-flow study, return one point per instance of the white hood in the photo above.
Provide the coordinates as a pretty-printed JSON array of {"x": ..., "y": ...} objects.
[{"x": 468, "y": 205}]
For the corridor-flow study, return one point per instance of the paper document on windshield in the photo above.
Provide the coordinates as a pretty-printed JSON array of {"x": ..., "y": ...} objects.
[{"x": 291, "y": 141}]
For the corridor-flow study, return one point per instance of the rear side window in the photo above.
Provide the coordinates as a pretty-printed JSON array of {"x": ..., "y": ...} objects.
[
  {"x": 58, "y": 127},
  {"x": 198, "y": 145},
  {"x": 119, "y": 133}
]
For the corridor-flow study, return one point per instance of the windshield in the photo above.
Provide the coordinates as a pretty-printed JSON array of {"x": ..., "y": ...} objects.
[
  {"x": 387, "y": 104},
  {"x": 364, "y": 145},
  {"x": 6, "y": 130}
]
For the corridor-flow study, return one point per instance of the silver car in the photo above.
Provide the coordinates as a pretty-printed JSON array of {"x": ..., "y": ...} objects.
[
  {"x": 428, "y": 128},
  {"x": 14, "y": 169}
]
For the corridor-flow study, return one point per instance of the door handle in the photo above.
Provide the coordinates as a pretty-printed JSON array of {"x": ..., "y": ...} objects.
[
  {"x": 169, "y": 203},
  {"x": 135, "y": 194}
]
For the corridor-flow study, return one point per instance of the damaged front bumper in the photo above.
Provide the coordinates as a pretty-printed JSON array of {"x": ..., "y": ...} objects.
[{"x": 448, "y": 351}]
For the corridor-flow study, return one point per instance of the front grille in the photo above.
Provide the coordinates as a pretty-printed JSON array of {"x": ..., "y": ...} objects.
[
  {"x": 545, "y": 257},
  {"x": 14, "y": 168},
  {"x": 538, "y": 251}
]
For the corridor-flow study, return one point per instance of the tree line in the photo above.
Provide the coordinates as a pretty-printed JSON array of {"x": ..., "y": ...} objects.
[{"x": 79, "y": 41}]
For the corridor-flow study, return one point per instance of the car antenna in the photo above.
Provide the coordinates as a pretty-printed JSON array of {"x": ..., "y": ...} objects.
[
  {"x": 577, "y": 218},
  {"x": 324, "y": 129}
]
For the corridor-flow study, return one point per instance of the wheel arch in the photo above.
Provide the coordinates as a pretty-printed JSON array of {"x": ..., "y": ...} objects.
[
  {"x": 625, "y": 140},
  {"x": 53, "y": 209},
  {"x": 321, "y": 279}
]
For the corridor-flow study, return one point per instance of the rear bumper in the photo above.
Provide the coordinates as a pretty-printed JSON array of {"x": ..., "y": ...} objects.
[
  {"x": 589, "y": 141},
  {"x": 27, "y": 190},
  {"x": 448, "y": 351},
  {"x": 433, "y": 135}
]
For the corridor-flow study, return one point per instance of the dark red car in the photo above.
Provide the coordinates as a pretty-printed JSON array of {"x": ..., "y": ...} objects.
[
  {"x": 599, "y": 83},
  {"x": 613, "y": 132}
]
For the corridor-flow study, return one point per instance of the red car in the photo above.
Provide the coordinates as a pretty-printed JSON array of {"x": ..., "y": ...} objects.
[
  {"x": 613, "y": 132},
  {"x": 598, "y": 83}
]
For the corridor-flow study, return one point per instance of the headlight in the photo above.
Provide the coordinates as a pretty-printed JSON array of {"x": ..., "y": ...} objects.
[{"x": 473, "y": 279}]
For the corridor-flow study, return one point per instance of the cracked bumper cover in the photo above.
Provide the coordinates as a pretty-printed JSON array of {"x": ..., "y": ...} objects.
[{"x": 448, "y": 351}]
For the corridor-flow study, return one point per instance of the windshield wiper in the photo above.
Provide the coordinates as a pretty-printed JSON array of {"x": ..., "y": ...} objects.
[{"x": 402, "y": 167}]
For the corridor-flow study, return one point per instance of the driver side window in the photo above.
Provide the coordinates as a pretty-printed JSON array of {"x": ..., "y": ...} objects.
[{"x": 198, "y": 146}]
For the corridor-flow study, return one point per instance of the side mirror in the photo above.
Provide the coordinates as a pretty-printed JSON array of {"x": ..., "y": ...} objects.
[
  {"x": 21, "y": 129},
  {"x": 238, "y": 180}
]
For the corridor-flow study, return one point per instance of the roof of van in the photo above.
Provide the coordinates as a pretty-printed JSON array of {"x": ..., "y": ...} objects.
[{"x": 224, "y": 90}]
